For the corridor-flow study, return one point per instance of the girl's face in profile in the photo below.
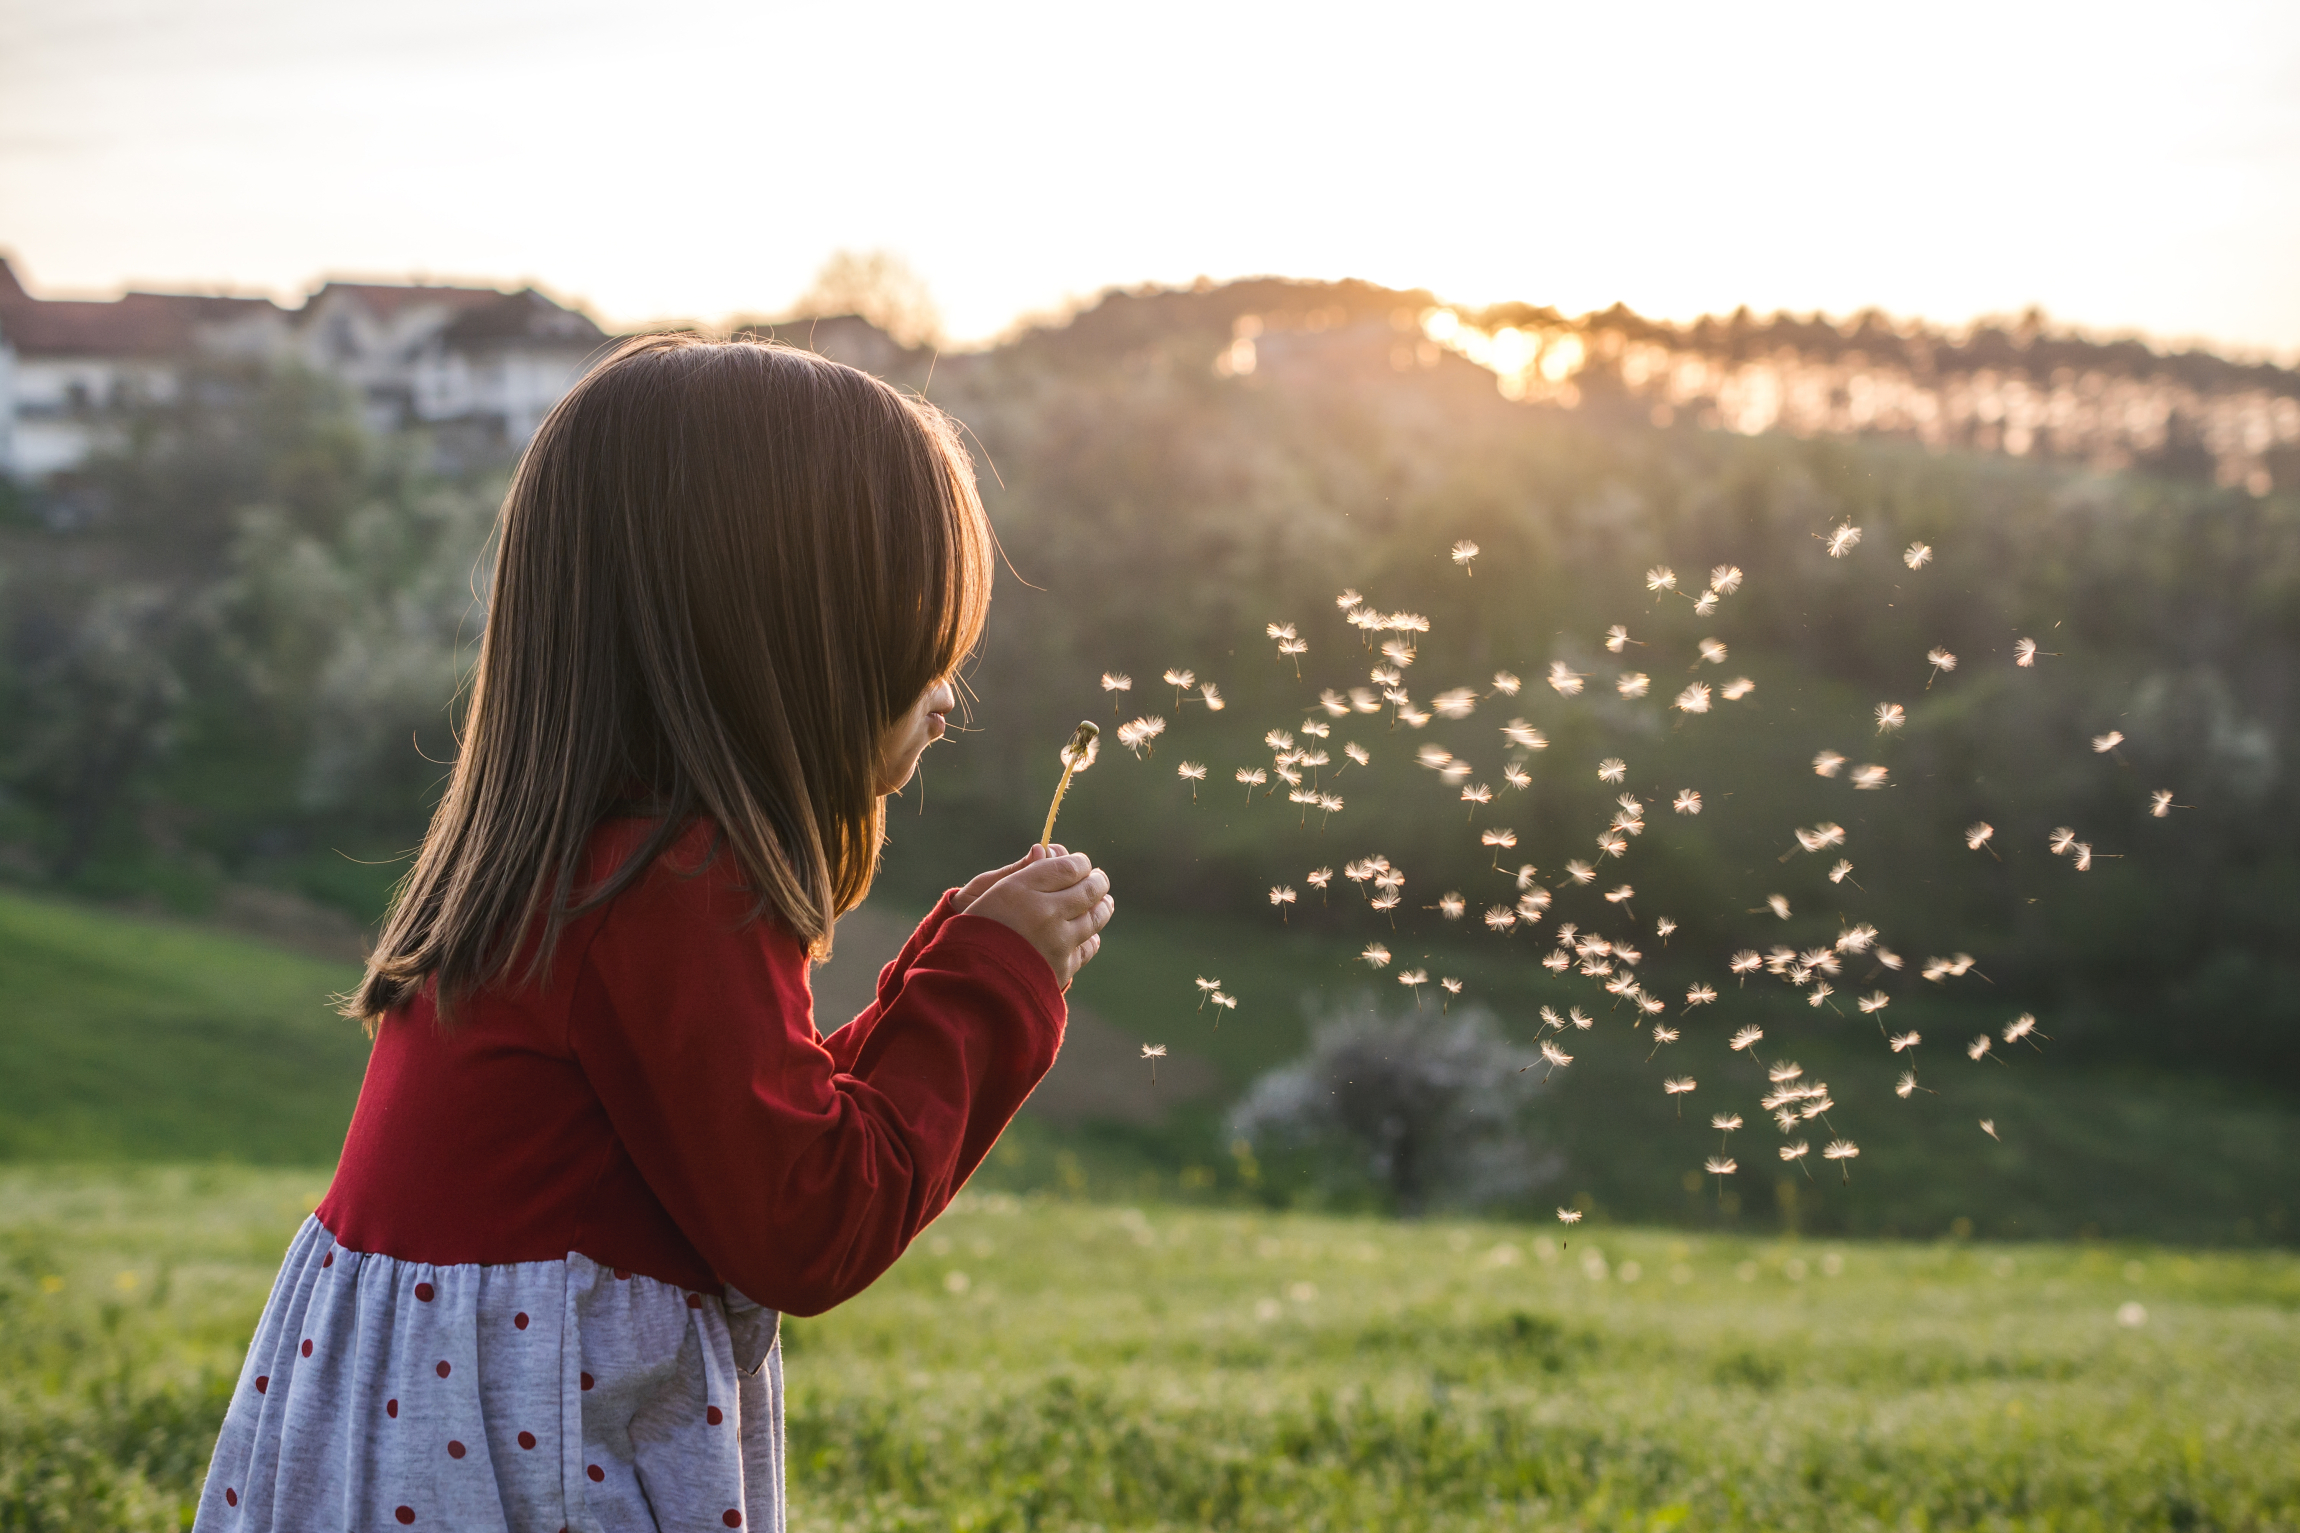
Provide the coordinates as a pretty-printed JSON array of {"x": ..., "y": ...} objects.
[{"x": 907, "y": 738}]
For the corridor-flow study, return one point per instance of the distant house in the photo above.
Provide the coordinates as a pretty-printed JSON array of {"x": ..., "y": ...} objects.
[{"x": 480, "y": 364}]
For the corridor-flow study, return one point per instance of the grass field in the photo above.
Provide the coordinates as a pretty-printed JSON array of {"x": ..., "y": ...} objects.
[{"x": 1040, "y": 1364}]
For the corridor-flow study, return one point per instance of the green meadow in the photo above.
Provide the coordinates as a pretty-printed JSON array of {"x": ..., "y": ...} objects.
[
  {"x": 1126, "y": 1326},
  {"x": 1047, "y": 1364}
]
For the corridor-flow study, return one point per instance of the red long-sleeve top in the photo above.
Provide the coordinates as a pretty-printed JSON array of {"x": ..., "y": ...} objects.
[{"x": 661, "y": 1102}]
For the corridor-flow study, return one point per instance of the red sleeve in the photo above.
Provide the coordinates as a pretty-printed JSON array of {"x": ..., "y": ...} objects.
[
  {"x": 847, "y": 1042},
  {"x": 798, "y": 1180}
]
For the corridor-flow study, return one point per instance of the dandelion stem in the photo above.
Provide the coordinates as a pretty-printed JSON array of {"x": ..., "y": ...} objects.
[{"x": 1081, "y": 740}]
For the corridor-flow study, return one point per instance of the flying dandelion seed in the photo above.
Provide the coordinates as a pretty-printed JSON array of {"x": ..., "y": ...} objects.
[
  {"x": 1569, "y": 1216},
  {"x": 1319, "y": 878},
  {"x": 1498, "y": 837},
  {"x": 1279, "y": 630},
  {"x": 1874, "y": 1002},
  {"x": 2082, "y": 856},
  {"x": 1501, "y": 918},
  {"x": 1349, "y": 599},
  {"x": 1451, "y": 906},
  {"x": 1918, "y": 555},
  {"x": 1357, "y": 753},
  {"x": 1620, "y": 896},
  {"x": 1523, "y": 735},
  {"x": 2021, "y": 1027},
  {"x": 1821, "y": 993},
  {"x": 1226, "y": 1002},
  {"x": 1908, "y": 1040},
  {"x": 1555, "y": 1057},
  {"x": 1612, "y": 769},
  {"x": 1580, "y": 872},
  {"x": 1115, "y": 682},
  {"x": 1842, "y": 870},
  {"x": 1181, "y": 681},
  {"x": 2061, "y": 839},
  {"x": 1399, "y": 654},
  {"x": 1725, "y": 579},
  {"x": 1906, "y": 1086},
  {"x": 1281, "y": 896},
  {"x": 1977, "y": 834},
  {"x": 1617, "y": 638},
  {"x": 2024, "y": 652},
  {"x": 1516, "y": 776},
  {"x": 1890, "y": 716},
  {"x": 1458, "y": 703},
  {"x": 1414, "y": 979},
  {"x": 1450, "y": 985},
  {"x": 1660, "y": 578},
  {"x": 1336, "y": 705},
  {"x": 1663, "y": 1035},
  {"x": 1612, "y": 843},
  {"x": 1192, "y": 773},
  {"x": 1580, "y": 1019},
  {"x": 1153, "y": 1052},
  {"x": 1662, "y": 928},
  {"x": 1678, "y": 1085},
  {"x": 1989, "y": 1127},
  {"x": 1778, "y": 904},
  {"x": 1699, "y": 995},
  {"x": 1705, "y": 603},
  {"x": 1376, "y": 955},
  {"x": 1720, "y": 1165},
  {"x": 1725, "y": 1123},
  {"x": 1841, "y": 1150},
  {"x": 1463, "y": 553},
  {"x": 1795, "y": 1151},
  {"x": 1940, "y": 660},
  {"x": 1712, "y": 651},
  {"x": 1843, "y": 540},
  {"x": 1745, "y": 1038},
  {"x": 2160, "y": 803},
  {"x": 1633, "y": 684},
  {"x": 1565, "y": 679},
  {"x": 1821, "y": 836},
  {"x": 1252, "y": 777},
  {"x": 1206, "y": 987},
  {"x": 1736, "y": 689},
  {"x": 1317, "y": 729},
  {"x": 1479, "y": 794},
  {"x": 1211, "y": 696},
  {"x": 2103, "y": 744},
  {"x": 1828, "y": 764},
  {"x": 1977, "y": 1047},
  {"x": 1694, "y": 699},
  {"x": 1745, "y": 962},
  {"x": 1870, "y": 778},
  {"x": 1140, "y": 732}
]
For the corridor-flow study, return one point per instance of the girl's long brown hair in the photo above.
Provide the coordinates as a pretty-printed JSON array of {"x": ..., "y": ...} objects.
[{"x": 724, "y": 569}]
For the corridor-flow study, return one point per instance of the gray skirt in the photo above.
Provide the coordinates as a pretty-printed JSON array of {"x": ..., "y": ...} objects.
[{"x": 381, "y": 1394}]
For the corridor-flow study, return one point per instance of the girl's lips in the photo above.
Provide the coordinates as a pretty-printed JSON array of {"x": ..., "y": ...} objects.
[{"x": 935, "y": 725}]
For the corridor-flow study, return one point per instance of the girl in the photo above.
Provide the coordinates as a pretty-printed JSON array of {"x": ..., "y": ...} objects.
[{"x": 600, "y": 1146}]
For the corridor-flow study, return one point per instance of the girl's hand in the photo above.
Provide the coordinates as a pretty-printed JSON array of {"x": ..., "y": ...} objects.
[{"x": 1058, "y": 903}]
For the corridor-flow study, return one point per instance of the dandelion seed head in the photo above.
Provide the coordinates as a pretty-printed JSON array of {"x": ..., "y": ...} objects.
[
  {"x": 1705, "y": 603},
  {"x": 1451, "y": 985},
  {"x": 2082, "y": 857},
  {"x": 1252, "y": 776},
  {"x": 2061, "y": 840},
  {"x": 1664, "y": 926},
  {"x": 1977, "y": 834},
  {"x": 1319, "y": 878}
]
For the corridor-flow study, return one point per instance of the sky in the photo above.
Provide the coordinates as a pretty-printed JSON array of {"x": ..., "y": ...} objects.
[{"x": 2126, "y": 168}]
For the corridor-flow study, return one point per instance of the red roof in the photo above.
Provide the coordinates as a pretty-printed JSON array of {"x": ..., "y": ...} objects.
[{"x": 134, "y": 325}]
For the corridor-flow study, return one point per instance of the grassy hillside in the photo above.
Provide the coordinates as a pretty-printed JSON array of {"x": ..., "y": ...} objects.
[
  {"x": 124, "y": 1039},
  {"x": 131, "y": 1039},
  {"x": 1036, "y": 1363}
]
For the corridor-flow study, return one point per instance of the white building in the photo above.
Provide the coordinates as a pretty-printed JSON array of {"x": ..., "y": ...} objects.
[{"x": 481, "y": 363}]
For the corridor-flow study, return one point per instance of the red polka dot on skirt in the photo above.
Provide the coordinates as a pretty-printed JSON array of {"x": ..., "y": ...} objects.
[
  {"x": 424, "y": 1292},
  {"x": 714, "y": 1415},
  {"x": 731, "y": 1518},
  {"x": 454, "y": 1448},
  {"x": 443, "y": 1370},
  {"x": 596, "y": 1473},
  {"x": 527, "y": 1439},
  {"x": 405, "y": 1514}
]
